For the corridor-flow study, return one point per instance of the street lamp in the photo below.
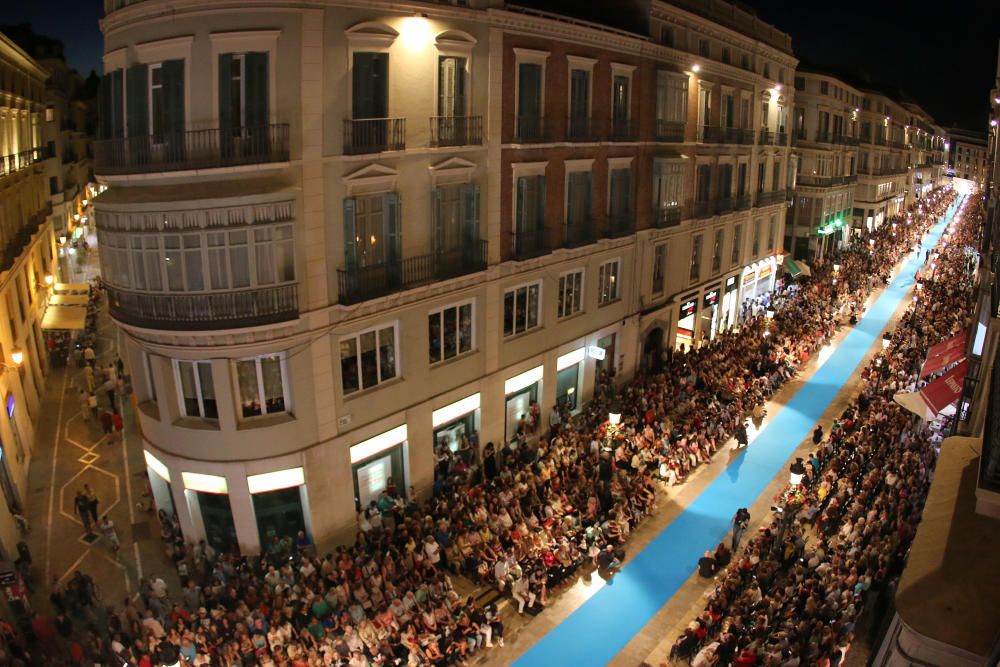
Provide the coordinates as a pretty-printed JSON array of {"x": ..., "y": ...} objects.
[{"x": 17, "y": 356}]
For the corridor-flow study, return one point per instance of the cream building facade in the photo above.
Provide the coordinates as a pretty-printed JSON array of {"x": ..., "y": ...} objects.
[
  {"x": 27, "y": 267},
  {"x": 338, "y": 236}
]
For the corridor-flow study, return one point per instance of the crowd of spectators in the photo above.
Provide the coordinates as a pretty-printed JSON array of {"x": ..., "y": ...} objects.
[
  {"x": 793, "y": 595},
  {"x": 521, "y": 518}
]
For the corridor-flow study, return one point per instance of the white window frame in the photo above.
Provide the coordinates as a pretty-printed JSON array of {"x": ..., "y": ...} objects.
[
  {"x": 669, "y": 84},
  {"x": 609, "y": 282},
  {"x": 538, "y": 317},
  {"x": 669, "y": 175},
  {"x": 586, "y": 65},
  {"x": 622, "y": 69},
  {"x": 577, "y": 295},
  {"x": 153, "y": 67},
  {"x": 197, "y": 387},
  {"x": 378, "y": 358},
  {"x": 286, "y": 396},
  {"x": 439, "y": 313},
  {"x": 241, "y": 43},
  {"x": 528, "y": 56}
]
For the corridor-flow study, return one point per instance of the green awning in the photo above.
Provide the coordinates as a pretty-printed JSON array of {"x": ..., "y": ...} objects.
[{"x": 791, "y": 267}]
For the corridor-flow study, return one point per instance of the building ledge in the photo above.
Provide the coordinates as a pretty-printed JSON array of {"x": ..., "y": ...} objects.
[{"x": 949, "y": 591}]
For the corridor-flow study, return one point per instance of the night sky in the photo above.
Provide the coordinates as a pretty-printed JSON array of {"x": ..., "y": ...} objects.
[{"x": 943, "y": 55}]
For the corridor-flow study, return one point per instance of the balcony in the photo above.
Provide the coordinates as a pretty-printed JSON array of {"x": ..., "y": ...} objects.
[
  {"x": 370, "y": 282},
  {"x": 17, "y": 161},
  {"x": 767, "y": 138},
  {"x": 800, "y": 137},
  {"x": 374, "y": 135},
  {"x": 620, "y": 224},
  {"x": 874, "y": 141},
  {"x": 735, "y": 135},
  {"x": 577, "y": 234},
  {"x": 195, "y": 149},
  {"x": 202, "y": 312},
  {"x": 529, "y": 243},
  {"x": 16, "y": 244},
  {"x": 709, "y": 134},
  {"x": 668, "y": 216},
  {"x": 845, "y": 140},
  {"x": 742, "y": 202},
  {"x": 529, "y": 129},
  {"x": 781, "y": 139},
  {"x": 825, "y": 181},
  {"x": 884, "y": 170},
  {"x": 623, "y": 129},
  {"x": 456, "y": 131},
  {"x": 581, "y": 128},
  {"x": 900, "y": 145},
  {"x": 671, "y": 131},
  {"x": 823, "y": 137},
  {"x": 703, "y": 209},
  {"x": 769, "y": 198}
]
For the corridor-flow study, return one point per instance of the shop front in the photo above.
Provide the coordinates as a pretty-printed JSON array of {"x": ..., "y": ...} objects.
[
  {"x": 730, "y": 305},
  {"x": 379, "y": 463},
  {"x": 454, "y": 421},
  {"x": 709, "y": 313},
  {"x": 520, "y": 392},
  {"x": 686, "y": 322},
  {"x": 569, "y": 375},
  {"x": 278, "y": 504},
  {"x": 756, "y": 282},
  {"x": 208, "y": 497},
  {"x": 606, "y": 364}
]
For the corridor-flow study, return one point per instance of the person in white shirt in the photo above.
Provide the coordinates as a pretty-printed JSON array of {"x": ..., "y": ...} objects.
[
  {"x": 522, "y": 592},
  {"x": 433, "y": 551}
]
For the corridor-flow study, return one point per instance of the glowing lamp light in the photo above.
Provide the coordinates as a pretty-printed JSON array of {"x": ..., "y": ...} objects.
[
  {"x": 17, "y": 356},
  {"x": 696, "y": 68},
  {"x": 993, "y": 122},
  {"x": 415, "y": 32},
  {"x": 49, "y": 279}
]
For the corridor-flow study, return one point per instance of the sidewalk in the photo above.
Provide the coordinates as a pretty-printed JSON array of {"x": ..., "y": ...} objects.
[{"x": 70, "y": 451}]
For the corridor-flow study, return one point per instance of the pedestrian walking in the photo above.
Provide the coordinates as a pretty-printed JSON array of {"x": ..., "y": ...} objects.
[
  {"x": 81, "y": 505},
  {"x": 89, "y": 356},
  {"x": 740, "y": 523},
  {"x": 107, "y": 423},
  {"x": 92, "y": 404},
  {"x": 118, "y": 425},
  {"x": 111, "y": 535},
  {"x": 109, "y": 388},
  {"x": 92, "y": 498},
  {"x": 88, "y": 377},
  {"x": 742, "y": 438}
]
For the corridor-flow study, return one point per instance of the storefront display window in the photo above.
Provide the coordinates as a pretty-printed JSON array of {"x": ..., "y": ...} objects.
[
  {"x": 378, "y": 464},
  {"x": 686, "y": 321}
]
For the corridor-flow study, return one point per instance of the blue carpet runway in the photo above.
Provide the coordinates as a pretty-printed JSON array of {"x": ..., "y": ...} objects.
[{"x": 605, "y": 623}]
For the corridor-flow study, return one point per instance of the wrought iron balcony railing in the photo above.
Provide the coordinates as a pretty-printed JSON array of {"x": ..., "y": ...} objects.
[
  {"x": 205, "y": 311},
  {"x": 374, "y": 135},
  {"x": 528, "y": 243},
  {"x": 456, "y": 131}
]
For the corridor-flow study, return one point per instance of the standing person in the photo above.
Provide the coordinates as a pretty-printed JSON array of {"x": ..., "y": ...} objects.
[
  {"x": 85, "y": 404},
  {"x": 88, "y": 377},
  {"x": 118, "y": 425},
  {"x": 555, "y": 419},
  {"x": 89, "y": 356},
  {"x": 110, "y": 534},
  {"x": 82, "y": 507},
  {"x": 119, "y": 366},
  {"x": 818, "y": 434},
  {"x": 109, "y": 388},
  {"x": 107, "y": 424},
  {"x": 740, "y": 523},
  {"x": 94, "y": 501},
  {"x": 92, "y": 404}
]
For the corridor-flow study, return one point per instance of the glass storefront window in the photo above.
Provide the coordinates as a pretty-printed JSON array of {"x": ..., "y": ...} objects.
[
  {"x": 279, "y": 514},
  {"x": 217, "y": 515},
  {"x": 567, "y": 388}
]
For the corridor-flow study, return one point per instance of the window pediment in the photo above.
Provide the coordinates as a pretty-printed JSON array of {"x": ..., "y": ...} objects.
[
  {"x": 371, "y": 34},
  {"x": 371, "y": 178},
  {"x": 451, "y": 170}
]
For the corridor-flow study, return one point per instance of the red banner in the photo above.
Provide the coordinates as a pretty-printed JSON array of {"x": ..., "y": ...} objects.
[
  {"x": 945, "y": 390},
  {"x": 944, "y": 354}
]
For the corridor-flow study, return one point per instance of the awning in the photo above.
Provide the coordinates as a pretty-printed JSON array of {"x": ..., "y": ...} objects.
[
  {"x": 68, "y": 300},
  {"x": 72, "y": 288},
  {"x": 938, "y": 396},
  {"x": 944, "y": 354},
  {"x": 806, "y": 271},
  {"x": 791, "y": 267},
  {"x": 70, "y": 318}
]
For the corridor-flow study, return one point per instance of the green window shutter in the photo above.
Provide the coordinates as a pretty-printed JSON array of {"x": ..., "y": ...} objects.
[
  {"x": 225, "y": 93},
  {"x": 138, "y": 99},
  {"x": 350, "y": 234},
  {"x": 104, "y": 107},
  {"x": 256, "y": 90},
  {"x": 173, "y": 88},
  {"x": 470, "y": 213},
  {"x": 393, "y": 215},
  {"x": 540, "y": 212},
  {"x": 519, "y": 209}
]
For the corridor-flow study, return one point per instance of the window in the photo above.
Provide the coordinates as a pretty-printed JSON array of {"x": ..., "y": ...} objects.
[
  {"x": 370, "y": 85},
  {"x": 741, "y": 179},
  {"x": 725, "y": 55},
  {"x": 608, "y": 282},
  {"x": 243, "y": 95},
  {"x": 156, "y": 99},
  {"x": 368, "y": 359},
  {"x": 530, "y": 203},
  {"x": 695, "y": 270},
  {"x": 717, "y": 251},
  {"x": 704, "y": 48},
  {"x": 703, "y": 183},
  {"x": 767, "y": 70},
  {"x": 737, "y": 244},
  {"x": 667, "y": 36},
  {"x": 196, "y": 389},
  {"x": 824, "y": 87},
  {"x": 521, "y": 309},
  {"x": 764, "y": 111},
  {"x": 570, "y": 294},
  {"x": 620, "y": 195},
  {"x": 372, "y": 234},
  {"x": 671, "y": 98},
  {"x": 529, "y": 100},
  {"x": 262, "y": 385},
  {"x": 776, "y": 176},
  {"x": 659, "y": 267},
  {"x": 450, "y": 332},
  {"x": 579, "y": 101},
  {"x": 761, "y": 166},
  {"x": 728, "y": 110},
  {"x": 668, "y": 183},
  {"x": 800, "y": 83},
  {"x": 756, "y": 238},
  {"x": 621, "y": 85},
  {"x": 451, "y": 86},
  {"x": 725, "y": 181},
  {"x": 50, "y": 114},
  {"x": 745, "y": 61},
  {"x": 772, "y": 230}
]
